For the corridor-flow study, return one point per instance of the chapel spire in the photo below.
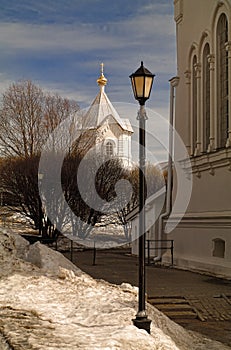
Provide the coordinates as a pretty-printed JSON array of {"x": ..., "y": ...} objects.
[{"x": 102, "y": 81}]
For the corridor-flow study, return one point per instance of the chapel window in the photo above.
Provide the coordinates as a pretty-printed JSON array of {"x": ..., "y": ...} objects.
[
  {"x": 194, "y": 103},
  {"x": 109, "y": 148},
  {"x": 222, "y": 70},
  {"x": 206, "y": 98}
]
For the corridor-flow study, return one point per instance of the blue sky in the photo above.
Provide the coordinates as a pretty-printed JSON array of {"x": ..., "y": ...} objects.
[{"x": 59, "y": 44}]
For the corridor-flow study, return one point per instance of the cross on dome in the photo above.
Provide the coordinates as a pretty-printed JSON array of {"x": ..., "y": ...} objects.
[
  {"x": 102, "y": 81},
  {"x": 102, "y": 65}
]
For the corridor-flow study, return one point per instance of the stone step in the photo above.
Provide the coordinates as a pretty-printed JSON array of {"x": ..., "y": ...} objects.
[
  {"x": 175, "y": 315},
  {"x": 157, "y": 301},
  {"x": 174, "y": 307}
]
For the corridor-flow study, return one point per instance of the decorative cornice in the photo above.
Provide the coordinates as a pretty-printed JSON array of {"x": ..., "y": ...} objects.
[
  {"x": 174, "y": 81},
  {"x": 197, "y": 67},
  {"x": 208, "y": 162},
  {"x": 179, "y": 18},
  {"x": 178, "y": 11},
  {"x": 211, "y": 170},
  {"x": 198, "y": 173},
  {"x": 204, "y": 35},
  {"x": 211, "y": 61},
  {"x": 220, "y": 3},
  {"x": 187, "y": 75},
  {"x": 228, "y": 48},
  {"x": 203, "y": 220},
  {"x": 229, "y": 168}
]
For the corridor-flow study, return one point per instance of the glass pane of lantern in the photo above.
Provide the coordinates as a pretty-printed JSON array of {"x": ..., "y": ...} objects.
[
  {"x": 139, "y": 82},
  {"x": 133, "y": 86},
  {"x": 148, "y": 86}
]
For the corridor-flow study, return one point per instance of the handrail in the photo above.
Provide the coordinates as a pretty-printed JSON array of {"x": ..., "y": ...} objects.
[{"x": 159, "y": 247}]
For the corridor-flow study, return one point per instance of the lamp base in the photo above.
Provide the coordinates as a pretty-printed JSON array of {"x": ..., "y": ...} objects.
[{"x": 142, "y": 323}]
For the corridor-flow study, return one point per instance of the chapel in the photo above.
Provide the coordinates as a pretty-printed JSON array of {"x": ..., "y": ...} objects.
[{"x": 112, "y": 134}]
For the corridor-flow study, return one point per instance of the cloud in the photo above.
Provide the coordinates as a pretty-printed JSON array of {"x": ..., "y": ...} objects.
[
  {"x": 87, "y": 37},
  {"x": 53, "y": 38},
  {"x": 72, "y": 11},
  {"x": 62, "y": 50}
]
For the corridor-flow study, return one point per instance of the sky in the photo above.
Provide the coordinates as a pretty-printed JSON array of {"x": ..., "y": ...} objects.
[{"x": 60, "y": 44}]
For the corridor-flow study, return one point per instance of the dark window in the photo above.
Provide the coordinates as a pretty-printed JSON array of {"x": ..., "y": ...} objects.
[
  {"x": 206, "y": 97},
  {"x": 194, "y": 103},
  {"x": 219, "y": 248},
  {"x": 223, "y": 91}
]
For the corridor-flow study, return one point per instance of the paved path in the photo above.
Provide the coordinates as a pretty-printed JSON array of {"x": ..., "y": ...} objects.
[{"x": 207, "y": 294}]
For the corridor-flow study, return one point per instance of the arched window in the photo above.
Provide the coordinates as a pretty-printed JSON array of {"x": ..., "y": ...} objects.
[
  {"x": 109, "y": 148},
  {"x": 219, "y": 248},
  {"x": 194, "y": 103},
  {"x": 222, "y": 71},
  {"x": 206, "y": 98}
]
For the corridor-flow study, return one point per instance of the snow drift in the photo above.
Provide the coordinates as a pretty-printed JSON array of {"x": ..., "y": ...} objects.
[{"x": 47, "y": 303}]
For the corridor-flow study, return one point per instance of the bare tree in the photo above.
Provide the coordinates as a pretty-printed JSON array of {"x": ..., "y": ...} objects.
[
  {"x": 19, "y": 183},
  {"x": 20, "y": 119},
  {"x": 86, "y": 207},
  {"x": 27, "y": 116},
  {"x": 56, "y": 109}
]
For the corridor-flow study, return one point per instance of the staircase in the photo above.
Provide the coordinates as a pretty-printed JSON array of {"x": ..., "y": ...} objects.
[{"x": 175, "y": 307}]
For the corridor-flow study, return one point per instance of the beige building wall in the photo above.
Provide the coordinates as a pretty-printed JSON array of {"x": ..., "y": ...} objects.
[{"x": 202, "y": 239}]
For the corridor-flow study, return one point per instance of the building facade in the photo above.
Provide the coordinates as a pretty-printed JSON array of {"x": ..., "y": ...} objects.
[{"x": 202, "y": 240}]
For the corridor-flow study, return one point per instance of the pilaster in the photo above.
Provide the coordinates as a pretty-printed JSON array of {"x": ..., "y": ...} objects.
[
  {"x": 228, "y": 49},
  {"x": 187, "y": 75}
]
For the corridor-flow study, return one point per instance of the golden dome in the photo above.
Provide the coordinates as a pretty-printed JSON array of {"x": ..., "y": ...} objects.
[{"x": 102, "y": 81}]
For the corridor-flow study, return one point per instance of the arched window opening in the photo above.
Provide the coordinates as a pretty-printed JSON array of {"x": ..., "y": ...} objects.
[
  {"x": 109, "y": 149},
  {"x": 222, "y": 70},
  {"x": 206, "y": 98},
  {"x": 194, "y": 103},
  {"x": 219, "y": 248}
]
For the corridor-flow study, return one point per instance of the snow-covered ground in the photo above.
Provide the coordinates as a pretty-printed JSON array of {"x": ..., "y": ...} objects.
[{"x": 47, "y": 303}]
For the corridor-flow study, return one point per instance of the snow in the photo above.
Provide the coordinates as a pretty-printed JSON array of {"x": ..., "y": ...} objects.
[{"x": 46, "y": 302}]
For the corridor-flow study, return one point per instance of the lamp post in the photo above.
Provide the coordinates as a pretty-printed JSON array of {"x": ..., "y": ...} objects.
[
  {"x": 40, "y": 177},
  {"x": 142, "y": 81}
]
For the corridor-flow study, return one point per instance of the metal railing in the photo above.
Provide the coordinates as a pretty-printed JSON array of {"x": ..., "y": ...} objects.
[{"x": 168, "y": 244}]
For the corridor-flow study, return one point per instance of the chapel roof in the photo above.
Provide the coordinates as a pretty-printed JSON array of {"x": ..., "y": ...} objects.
[{"x": 101, "y": 108}]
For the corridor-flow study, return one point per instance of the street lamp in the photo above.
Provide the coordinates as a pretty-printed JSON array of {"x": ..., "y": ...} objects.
[
  {"x": 40, "y": 178},
  {"x": 142, "y": 81}
]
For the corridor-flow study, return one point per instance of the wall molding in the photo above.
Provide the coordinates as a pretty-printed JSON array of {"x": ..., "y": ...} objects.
[
  {"x": 208, "y": 162},
  {"x": 212, "y": 220}
]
